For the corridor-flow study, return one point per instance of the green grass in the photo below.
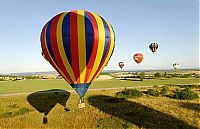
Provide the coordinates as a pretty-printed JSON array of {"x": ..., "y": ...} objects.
[
  {"x": 24, "y": 86},
  {"x": 21, "y": 111},
  {"x": 100, "y": 112}
]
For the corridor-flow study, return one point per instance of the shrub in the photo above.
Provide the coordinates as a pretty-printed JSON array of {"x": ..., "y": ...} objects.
[
  {"x": 129, "y": 93},
  {"x": 157, "y": 74},
  {"x": 153, "y": 92},
  {"x": 185, "y": 75},
  {"x": 197, "y": 76},
  {"x": 6, "y": 114},
  {"x": 142, "y": 76},
  {"x": 22, "y": 111},
  {"x": 164, "y": 90},
  {"x": 176, "y": 75},
  {"x": 165, "y": 74},
  {"x": 190, "y": 86},
  {"x": 186, "y": 93},
  {"x": 13, "y": 106}
]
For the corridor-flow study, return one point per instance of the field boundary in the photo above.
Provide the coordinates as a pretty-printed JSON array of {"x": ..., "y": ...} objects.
[{"x": 92, "y": 89}]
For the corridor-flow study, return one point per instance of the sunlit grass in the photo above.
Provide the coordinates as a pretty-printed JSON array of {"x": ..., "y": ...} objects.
[
  {"x": 186, "y": 112},
  {"x": 24, "y": 86}
]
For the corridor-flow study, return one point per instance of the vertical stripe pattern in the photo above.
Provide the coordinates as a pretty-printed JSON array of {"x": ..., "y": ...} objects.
[
  {"x": 78, "y": 44},
  {"x": 153, "y": 47}
]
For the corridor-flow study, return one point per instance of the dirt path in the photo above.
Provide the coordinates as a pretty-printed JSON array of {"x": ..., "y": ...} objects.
[{"x": 18, "y": 94}]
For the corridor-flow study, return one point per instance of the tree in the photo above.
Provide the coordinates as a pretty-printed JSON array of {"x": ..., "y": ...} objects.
[
  {"x": 142, "y": 76},
  {"x": 157, "y": 74}
]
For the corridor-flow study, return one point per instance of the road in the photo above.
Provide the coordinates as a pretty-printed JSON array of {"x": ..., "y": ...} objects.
[{"x": 117, "y": 88}]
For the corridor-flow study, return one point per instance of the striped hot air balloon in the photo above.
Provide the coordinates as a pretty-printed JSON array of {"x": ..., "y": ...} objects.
[
  {"x": 121, "y": 64},
  {"x": 153, "y": 47},
  {"x": 138, "y": 57},
  {"x": 78, "y": 44}
]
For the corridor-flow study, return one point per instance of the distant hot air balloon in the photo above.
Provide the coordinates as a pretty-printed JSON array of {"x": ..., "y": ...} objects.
[
  {"x": 153, "y": 47},
  {"x": 121, "y": 64},
  {"x": 176, "y": 65},
  {"x": 78, "y": 44},
  {"x": 138, "y": 57}
]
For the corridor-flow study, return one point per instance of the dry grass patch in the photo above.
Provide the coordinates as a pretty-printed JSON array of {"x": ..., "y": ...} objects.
[{"x": 100, "y": 112}]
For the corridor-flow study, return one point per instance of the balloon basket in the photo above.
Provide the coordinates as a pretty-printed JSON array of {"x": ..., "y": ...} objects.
[
  {"x": 81, "y": 103},
  {"x": 45, "y": 120}
]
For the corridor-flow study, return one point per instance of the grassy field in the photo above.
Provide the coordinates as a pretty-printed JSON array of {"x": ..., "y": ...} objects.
[
  {"x": 23, "y": 86},
  {"x": 103, "y": 110}
]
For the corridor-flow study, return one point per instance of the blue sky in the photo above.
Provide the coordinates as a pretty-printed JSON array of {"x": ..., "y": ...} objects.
[{"x": 173, "y": 24}]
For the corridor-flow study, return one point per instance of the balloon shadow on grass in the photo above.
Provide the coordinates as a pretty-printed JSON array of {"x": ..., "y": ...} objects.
[
  {"x": 191, "y": 106},
  {"x": 138, "y": 114},
  {"x": 44, "y": 101}
]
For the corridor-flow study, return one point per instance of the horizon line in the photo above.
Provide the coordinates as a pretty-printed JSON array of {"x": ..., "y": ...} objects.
[{"x": 107, "y": 70}]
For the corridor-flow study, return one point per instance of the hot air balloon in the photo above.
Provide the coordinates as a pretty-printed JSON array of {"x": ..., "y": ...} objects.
[
  {"x": 121, "y": 64},
  {"x": 153, "y": 47},
  {"x": 78, "y": 44},
  {"x": 44, "y": 56},
  {"x": 138, "y": 57},
  {"x": 176, "y": 65}
]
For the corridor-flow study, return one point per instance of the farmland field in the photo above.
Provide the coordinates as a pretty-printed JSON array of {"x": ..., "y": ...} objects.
[
  {"x": 103, "y": 110},
  {"x": 55, "y": 99},
  {"x": 24, "y": 86}
]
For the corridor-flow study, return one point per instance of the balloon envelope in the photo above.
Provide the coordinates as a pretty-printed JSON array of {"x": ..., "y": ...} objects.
[
  {"x": 78, "y": 44},
  {"x": 121, "y": 64},
  {"x": 138, "y": 57},
  {"x": 176, "y": 65},
  {"x": 44, "y": 56},
  {"x": 153, "y": 47}
]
